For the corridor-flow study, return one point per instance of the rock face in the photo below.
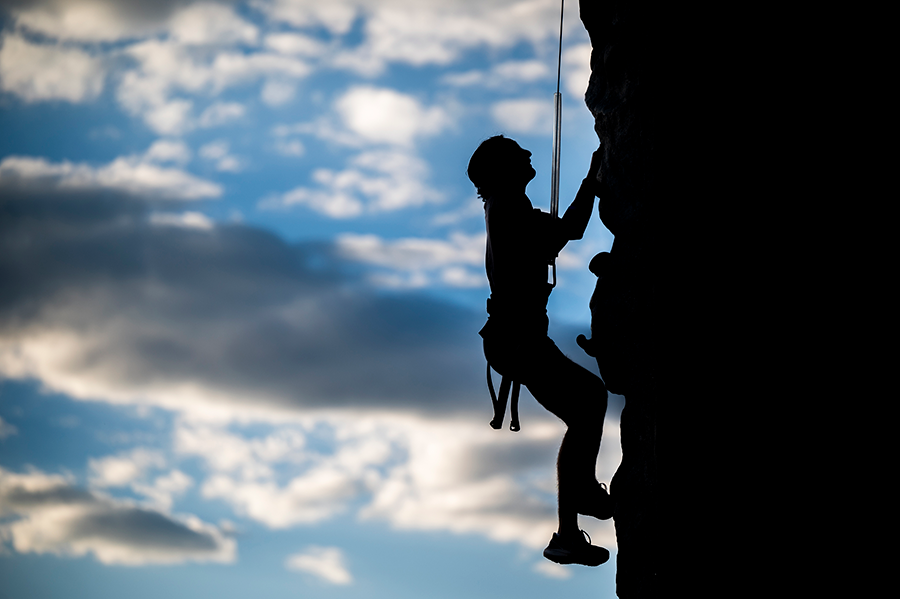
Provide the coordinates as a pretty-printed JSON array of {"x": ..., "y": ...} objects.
[{"x": 650, "y": 99}]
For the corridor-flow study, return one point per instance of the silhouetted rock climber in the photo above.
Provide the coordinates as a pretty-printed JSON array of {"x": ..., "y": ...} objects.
[{"x": 521, "y": 241}]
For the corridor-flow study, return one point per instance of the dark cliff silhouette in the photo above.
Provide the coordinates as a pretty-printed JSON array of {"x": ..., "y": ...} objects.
[{"x": 663, "y": 97}]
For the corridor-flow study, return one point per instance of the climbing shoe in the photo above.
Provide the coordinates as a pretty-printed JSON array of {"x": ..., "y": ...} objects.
[
  {"x": 598, "y": 503},
  {"x": 575, "y": 551}
]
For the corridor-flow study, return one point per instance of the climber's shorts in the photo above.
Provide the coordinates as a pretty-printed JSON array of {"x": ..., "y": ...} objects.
[{"x": 574, "y": 394}]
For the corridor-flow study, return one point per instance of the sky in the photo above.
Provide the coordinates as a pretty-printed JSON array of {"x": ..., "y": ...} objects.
[{"x": 241, "y": 280}]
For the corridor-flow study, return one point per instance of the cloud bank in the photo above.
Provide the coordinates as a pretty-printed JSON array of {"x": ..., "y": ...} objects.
[
  {"x": 53, "y": 516},
  {"x": 102, "y": 300}
]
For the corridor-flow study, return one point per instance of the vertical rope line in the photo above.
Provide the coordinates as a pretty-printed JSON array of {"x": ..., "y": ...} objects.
[
  {"x": 562, "y": 6},
  {"x": 557, "y": 133}
]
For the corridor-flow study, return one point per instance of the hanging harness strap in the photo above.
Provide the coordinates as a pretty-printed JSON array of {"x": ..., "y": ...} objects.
[{"x": 499, "y": 403}]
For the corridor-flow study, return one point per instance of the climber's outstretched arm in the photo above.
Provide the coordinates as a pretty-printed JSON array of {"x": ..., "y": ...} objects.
[{"x": 578, "y": 214}]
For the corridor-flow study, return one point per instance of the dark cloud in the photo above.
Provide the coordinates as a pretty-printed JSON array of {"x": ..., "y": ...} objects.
[
  {"x": 52, "y": 516},
  {"x": 152, "y": 10},
  {"x": 144, "y": 528},
  {"x": 234, "y": 313}
]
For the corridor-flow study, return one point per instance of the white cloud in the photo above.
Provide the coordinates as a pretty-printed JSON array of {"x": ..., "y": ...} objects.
[
  {"x": 337, "y": 16},
  {"x": 416, "y": 474},
  {"x": 376, "y": 181},
  {"x": 121, "y": 470},
  {"x": 422, "y": 33},
  {"x": 37, "y": 72},
  {"x": 313, "y": 497},
  {"x": 527, "y": 116},
  {"x": 136, "y": 175},
  {"x": 221, "y": 113},
  {"x": 218, "y": 152},
  {"x": 419, "y": 262},
  {"x": 233, "y": 454},
  {"x": 56, "y": 517},
  {"x": 577, "y": 68},
  {"x": 165, "y": 68},
  {"x": 163, "y": 489},
  {"x": 169, "y": 118},
  {"x": 187, "y": 220},
  {"x": 168, "y": 150},
  {"x": 457, "y": 276},
  {"x": 277, "y": 93},
  {"x": 381, "y": 115},
  {"x": 131, "y": 469},
  {"x": 215, "y": 150},
  {"x": 414, "y": 253},
  {"x": 501, "y": 75},
  {"x": 551, "y": 570},
  {"x": 328, "y": 563},
  {"x": 209, "y": 24},
  {"x": 464, "y": 477},
  {"x": 244, "y": 472},
  {"x": 294, "y": 44}
]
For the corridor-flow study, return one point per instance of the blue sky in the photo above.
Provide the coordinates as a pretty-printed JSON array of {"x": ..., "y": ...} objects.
[{"x": 241, "y": 282}]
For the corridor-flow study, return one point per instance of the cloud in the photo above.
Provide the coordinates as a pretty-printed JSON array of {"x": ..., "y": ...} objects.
[
  {"x": 36, "y": 72},
  {"x": 419, "y": 262},
  {"x": 104, "y": 303},
  {"x": 56, "y": 517},
  {"x": 528, "y": 116},
  {"x": 218, "y": 152},
  {"x": 552, "y": 570},
  {"x": 277, "y": 93},
  {"x": 230, "y": 325},
  {"x": 94, "y": 20},
  {"x": 381, "y": 115},
  {"x": 376, "y": 181},
  {"x": 469, "y": 479},
  {"x": 294, "y": 44},
  {"x": 336, "y": 16},
  {"x": 208, "y": 23},
  {"x": 221, "y": 113},
  {"x": 165, "y": 150},
  {"x": 189, "y": 220},
  {"x": 577, "y": 68},
  {"x": 414, "y": 473},
  {"x": 276, "y": 479},
  {"x": 163, "y": 489},
  {"x": 501, "y": 75},
  {"x": 313, "y": 497},
  {"x": 117, "y": 471},
  {"x": 418, "y": 33},
  {"x": 328, "y": 563},
  {"x": 137, "y": 175},
  {"x": 131, "y": 469},
  {"x": 165, "y": 68}
]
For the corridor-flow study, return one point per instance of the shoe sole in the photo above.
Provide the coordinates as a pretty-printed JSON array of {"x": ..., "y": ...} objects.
[{"x": 565, "y": 558}]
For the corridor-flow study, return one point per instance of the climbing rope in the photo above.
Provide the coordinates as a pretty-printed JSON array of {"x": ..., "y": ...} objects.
[{"x": 557, "y": 132}]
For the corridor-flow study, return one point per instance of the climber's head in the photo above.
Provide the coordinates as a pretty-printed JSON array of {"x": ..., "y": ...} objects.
[{"x": 500, "y": 165}]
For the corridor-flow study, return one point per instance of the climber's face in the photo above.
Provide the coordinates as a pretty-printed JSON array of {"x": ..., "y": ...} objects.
[{"x": 519, "y": 161}]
